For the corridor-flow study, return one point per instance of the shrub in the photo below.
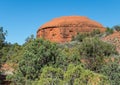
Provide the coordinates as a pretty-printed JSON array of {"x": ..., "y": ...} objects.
[
  {"x": 81, "y": 36},
  {"x": 109, "y": 31},
  {"x": 94, "y": 50},
  {"x": 68, "y": 55},
  {"x": 112, "y": 70},
  {"x": 95, "y": 32},
  {"x": 93, "y": 47},
  {"x": 74, "y": 75},
  {"x": 36, "y": 54}
]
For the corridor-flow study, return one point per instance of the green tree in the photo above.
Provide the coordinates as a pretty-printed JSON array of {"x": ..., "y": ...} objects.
[
  {"x": 29, "y": 39},
  {"x": 2, "y": 41},
  {"x": 109, "y": 31},
  {"x": 2, "y": 37},
  {"x": 112, "y": 70},
  {"x": 80, "y": 36},
  {"x": 37, "y": 54},
  {"x": 93, "y": 47},
  {"x": 95, "y": 32},
  {"x": 50, "y": 76},
  {"x": 14, "y": 52},
  {"x": 74, "y": 75},
  {"x": 94, "y": 50},
  {"x": 68, "y": 55}
]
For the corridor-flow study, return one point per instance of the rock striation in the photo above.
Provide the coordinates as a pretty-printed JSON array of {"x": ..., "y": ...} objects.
[{"x": 62, "y": 29}]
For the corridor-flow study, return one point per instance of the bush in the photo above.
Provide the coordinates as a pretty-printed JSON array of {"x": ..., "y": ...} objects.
[
  {"x": 95, "y": 32},
  {"x": 36, "y": 54},
  {"x": 94, "y": 50},
  {"x": 68, "y": 55},
  {"x": 81, "y": 36},
  {"x": 112, "y": 70},
  {"x": 109, "y": 31},
  {"x": 74, "y": 75},
  {"x": 93, "y": 47}
]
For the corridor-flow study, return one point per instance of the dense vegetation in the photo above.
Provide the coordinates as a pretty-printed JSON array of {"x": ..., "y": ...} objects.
[
  {"x": 86, "y": 60},
  {"x": 2, "y": 48}
]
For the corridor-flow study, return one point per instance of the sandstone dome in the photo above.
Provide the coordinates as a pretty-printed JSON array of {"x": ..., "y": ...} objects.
[{"x": 62, "y": 29}]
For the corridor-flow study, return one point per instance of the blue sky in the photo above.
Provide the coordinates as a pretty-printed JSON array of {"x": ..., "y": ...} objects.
[{"x": 21, "y": 18}]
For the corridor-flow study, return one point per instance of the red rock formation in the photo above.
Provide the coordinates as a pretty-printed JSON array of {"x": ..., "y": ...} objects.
[
  {"x": 64, "y": 28},
  {"x": 113, "y": 39}
]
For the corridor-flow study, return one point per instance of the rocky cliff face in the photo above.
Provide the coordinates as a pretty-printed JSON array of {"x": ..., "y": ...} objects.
[{"x": 64, "y": 28}]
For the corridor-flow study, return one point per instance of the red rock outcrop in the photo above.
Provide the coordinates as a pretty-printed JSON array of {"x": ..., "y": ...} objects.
[
  {"x": 64, "y": 28},
  {"x": 113, "y": 39}
]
